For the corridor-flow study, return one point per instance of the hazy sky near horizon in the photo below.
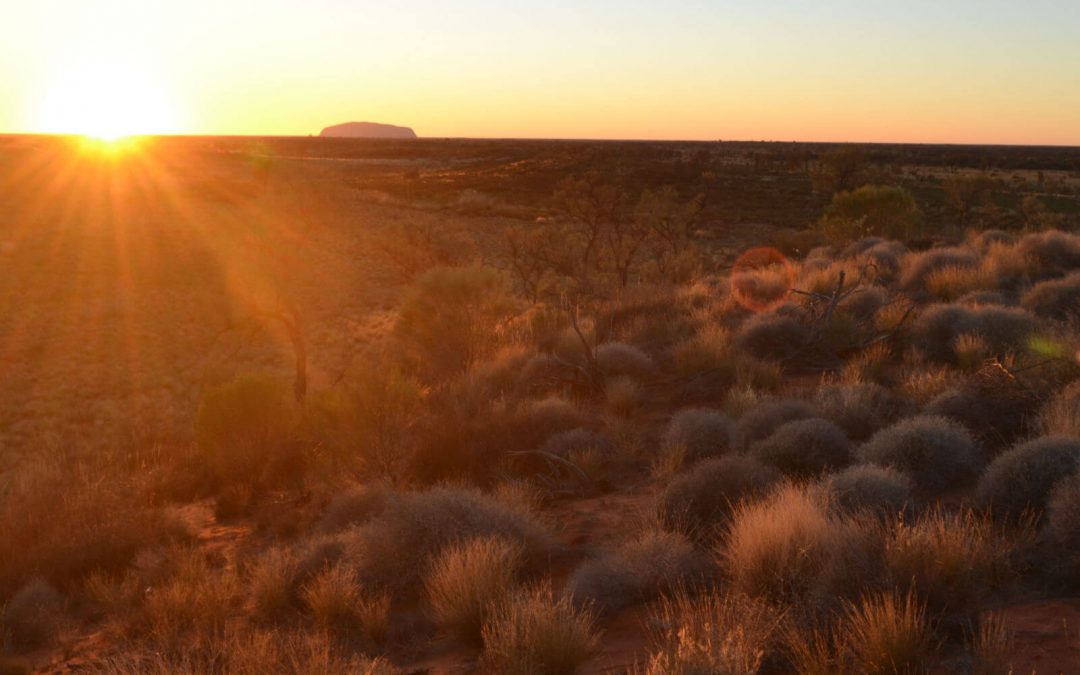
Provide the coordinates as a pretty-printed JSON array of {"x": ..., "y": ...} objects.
[{"x": 958, "y": 71}]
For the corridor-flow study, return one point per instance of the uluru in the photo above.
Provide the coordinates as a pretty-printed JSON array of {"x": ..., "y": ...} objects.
[{"x": 367, "y": 130}]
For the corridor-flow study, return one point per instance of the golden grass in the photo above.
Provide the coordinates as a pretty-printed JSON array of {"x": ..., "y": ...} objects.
[
  {"x": 708, "y": 350},
  {"x": 992, "y": 647},
  {"x": 536, "y": 633},
  {"x": 887, "y": 635},
  {"x": 468, "y": 579},
  {"x": 339, "y": 604},
  {"x": 271, "y": 582}
]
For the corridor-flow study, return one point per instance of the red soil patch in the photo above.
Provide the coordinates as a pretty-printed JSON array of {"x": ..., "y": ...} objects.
[{"x": 1047, "y": 636}]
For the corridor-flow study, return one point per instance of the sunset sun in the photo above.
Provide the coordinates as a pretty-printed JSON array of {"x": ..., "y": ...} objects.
[{"x": 107, "y": 101}]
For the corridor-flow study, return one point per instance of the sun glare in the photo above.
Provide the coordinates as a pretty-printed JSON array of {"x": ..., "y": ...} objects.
[{"x": 107, "y": 102}]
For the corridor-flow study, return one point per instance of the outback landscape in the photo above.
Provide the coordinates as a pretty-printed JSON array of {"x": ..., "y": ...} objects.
[{"x": 343, "y": 405}]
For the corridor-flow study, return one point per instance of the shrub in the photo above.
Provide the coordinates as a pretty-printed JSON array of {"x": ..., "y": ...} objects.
[
  {"x": 996, "y": 412},
  {"x": 886, "y": 635},
  {"x": 272, "y": 581},
  {"x": 804, "y": 448},
  {"x": 935, "y": 452},
  {"x": 708, "y": 350},
  {"x": 1053, "y": 252},
  {"x": 860, "y": 409},
  {"x": 242, "y": 424},
  {"x": 1003, "y": 329},
  {"x": 1061, "y": 416},
  {"x": 918, "y": 267},
  {"x": 566, "y": 443},
  {"x": 872, "y": 210},
  {"x": 637, "y": 571},
  {"x": 763, "y": 419},
  {"x": 355, "y": 506},
  {"x": 199, "y": 598},
  {"x": 1023, "y": 478},
  {"x": 338, "y": 603},
  {"x": 704, "y": 496},
  {"x": 699, "y": 433},
  {"x": 950, "y": 283},
  {"x": 623, "y": 395},
  {"x": 393, "y": 548},
  {"x": 452, "y": 318},
  {"x": 864, "y": 303},
  {"x": 535, "y": 633},
  {"x": 868, "y": 488},
  {"x": 467, "y": 579},
  {"x": 949, "y": 559},
  {"x": 619, "y": 358},
  {"x": 1055, "y": 299},
  {"x": 772, "y": 336},
  {"x": 1063, "y": 514},
  {"x": 711, "y": 633},
  {"x": 33, "y": 616}
]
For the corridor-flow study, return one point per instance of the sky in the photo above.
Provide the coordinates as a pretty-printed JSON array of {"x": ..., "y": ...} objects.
[{"x": 952, "y": 71}]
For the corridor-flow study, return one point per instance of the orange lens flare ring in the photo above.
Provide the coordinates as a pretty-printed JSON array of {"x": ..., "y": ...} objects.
[{"x": 761, "y": 279}]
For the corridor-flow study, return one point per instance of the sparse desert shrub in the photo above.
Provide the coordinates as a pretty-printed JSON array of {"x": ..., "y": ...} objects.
[
  {"x": 339, "y": 604},
  {"x": 540, "y": 420},
  {"x": 393, "y": 548},
  {"x": 984, "y": 239},
  {"x": 950, "y": 283},
  {"x": 466, "y": 580},
  {"x": 788, "y": 549},
  {"x": 702, "y": 498},
  {"x": 1053, "y": 252},
  {"x": 452, "y": 318},
  {"x": 242, "y": 424},
  {"x": 272, "y": 581},
  {"x": 935, "y": 452},
  {"x": 708, "y": 350},
  {"x": 698, "y": 433},
  {"x": 772, "y": 336},
  {"x": 759, "y": 422},
  {"x": 804, "y": 448},
  {"x": 713, "y": 633},
  {"x": 882, "y": 210},
  {"x": 1023, "y": 477},
  {"x": 623, "y": 395},
  {"x": 1063, "y": 514},
  {"x": 976, "y": 298},
  {"x": 637, "y": 571},
  {"x": 949, "y": 559},
  {"x": 867, "y": 366},
  {"x": 354, "y": 506},
  {"x": 536, "y": 633},
  {"x": 1055, "y": 299},
  {"x": 1006, "y": 267},
  {"x": 992, "y": 647},
  {"x": 1002, "y": 329},
  {"x": 860, "y": 409},
  {"x": 1061, "y": 416},
  {"x": 996, "y": 410},
  {"x": 32, "y": 617},
  {"x": 546, "y": 372},
  {"x": 621, "y": 359},
  {"x": 566, "y": 443},
  {"x": 198, "y": 599},
  {"x": 863, "y": 303},
  {"x": 868, "y": 488},
  {"x": 917, "y": 267},
  {"x": 884, "y": 634}
]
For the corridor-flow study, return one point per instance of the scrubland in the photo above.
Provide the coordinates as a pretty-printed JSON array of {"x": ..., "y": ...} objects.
[{"x": 278, "y": 411}]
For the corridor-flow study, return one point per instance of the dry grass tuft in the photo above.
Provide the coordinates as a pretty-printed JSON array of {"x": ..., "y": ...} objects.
[
  {"x": 536, "y": 633},
  {"x": 338, "y": 604},
  {"x": 466, "y": 580},
  {"x": 887, "y": 635}
]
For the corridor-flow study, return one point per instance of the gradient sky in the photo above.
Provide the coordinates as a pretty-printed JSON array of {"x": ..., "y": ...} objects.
[{"x": 959, "y": 71}]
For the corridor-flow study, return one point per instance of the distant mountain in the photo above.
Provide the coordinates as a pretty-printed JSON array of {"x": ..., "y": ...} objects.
[{"x": 367, "y": 130}]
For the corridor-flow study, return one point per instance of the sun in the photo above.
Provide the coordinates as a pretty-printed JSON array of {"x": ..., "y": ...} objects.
[{"x": 107, "y": 101}]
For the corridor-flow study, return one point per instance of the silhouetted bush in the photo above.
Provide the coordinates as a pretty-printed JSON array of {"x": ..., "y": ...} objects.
[
  {"x": 1003, "y": 329},
  {"x": 772, "y": 336},
  {"x": 860, "y": 409},
  {"x": 882, "y": 210},
  {"x": 995, "y": 412},
  {"x": 637, "y": 571},
  {"x": 868, "y": 488},
  {"x": 935, "y": 452},
  {"x": 1055, "y": 299},
  {"x": 1053, "y": 252},
  {"x": 1024, "y": 477},
  {"x": 619, "y": 358},
  {"x": 354, "y": 506},
  {"x": 697, "y": 501},
  {"x": 699, "y": 433},
  {"x": 804, "y": 448},
  {"x": 766, "y": 417},
  {"x": 32, "y": 617}
]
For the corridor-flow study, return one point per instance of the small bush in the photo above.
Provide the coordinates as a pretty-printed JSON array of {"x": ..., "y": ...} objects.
[
  {"x": 711, "y": 633},
  {"x": 566, "y": 443},
  {"x": 1063, "y": 514},
  {"x": 708, "y": 350},
  {"x": 1003, "y": 329},
  {"x": 623, "y": 395},
  {"x": 242, "y": 424},
  {"x": 621, "y": 359},
  {"x": 703, "y": 497},
  {"x": 1023, "y": 478},
  {"x": 394, "y": 547},
  {"x": 536, "y": 633},
  {"x": 1061, "y": 416},
  {"x": 935, "y": 452},
  {"x": 32, "y": 617},
  {"x": 1053, "y": 252},
  {"x": 772, "y": 336},
  {"x": 860, "y": 409},
  {"x": 637, "y": 571},
  {"x": 881, "y": 210},
  {"x": 868, "y": 488},
  {"x": 339, "y": 604},
  {"x": 887, "y": 635},
  {"x": 272, "y": 581},
  {"x": 918, "y": 267},
  {"x": 354, "y": 506},
  {"x": 1056, "y": 299},
  {"x": 763, "y": 419},
  {"x": 699, "y": 433},
  {"x": 804, "y": 448},
  {"x": 468, "y": 579},
  {"x": 996, "y": 412}
]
